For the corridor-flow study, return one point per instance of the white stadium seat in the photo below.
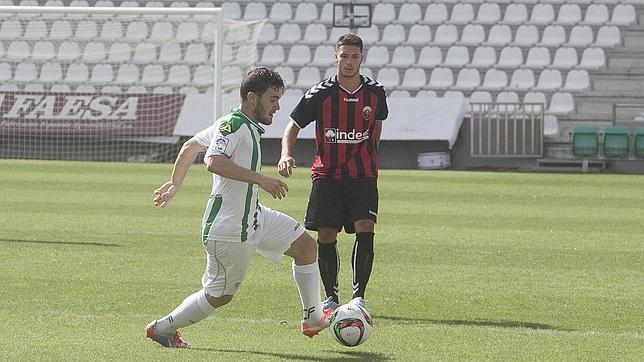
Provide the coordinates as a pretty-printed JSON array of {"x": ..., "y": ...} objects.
[
  {"x": 526, "y": 36},
  {"x": 383, "y": 13},
  {"x": 510, "y": 57},
  {"x": 446, "y": 34},
  {"x": 35, "y": 29},
  {"x": 153, "y": 74},
  {"x": 370, "y": 35},
  {"x": 196, "y": 54},
  {"x": 145, "y": 53},
  {"x": 136, "y": 31},
  {"x": 494, "y": 80},
  {"x": 388, "y": 77},
  {"x": 86, "y": 30},
  {"x": 553, "y": 36},
  {"x": 18, "y": 50},
  {"x": 608, "y": 36},
  {"x": 280, "y": 13},
  {"x": 561, "y": 103},
  {"x": 187, "y": 31},
  {"x": 231, "y": 10},
  {"x": 577, "y": 81},
  {"x": 162, "y": 31},
  {"x": 480, "y": 97},
  {"x": 414, "y": 79},
  {"x": 5, "y": 72},
  {"x": 580, "y": 36},
  {"x": 499, "y": 35},
  {"x": 60, "y": 29},
  {"x": 565, "y": 58},
  {"x": 112, "y": 30},
  {"x": 473, "y": 34},
  {"x": 462, "y": 13},
  {"x": 542, "y": 14},
  {"x": 50, "y": 73},
  {"x": 272, "y": 55},
  {"x": 515, "y": 14},
  {"x": 467, "y": 79},
  {"x": 287, "y": 74},
  {"x": 305, "y": 13},
  {"x": 623, "y": 15},
  {"x": 68, "y": 51},
  {"x": 307, "y": 76},
  {"x": 393, "y": 34},
  {"x": 419, "y": 35},
  {"x": 569, "y": 14},
  {"x": 43, "y": 50},
  {"x": 441, "y": 78},
  {"x": 60, "y": 88},
  {"x": 255, "y": 11},
  {"x": 410, "y": 13},
  {"x": 538, "y": 57},
  {"x": 535, "y": 97},
  {"x": 94, "y": 52},
  {"x": 179, "y": 74},
  {"x": 549, "y": 80},
  {"x": 314, "y": 34},
  {"x": 377, "y": 56},
  {"x": 457, "y": 56},
  {"x": 488, "y": 13},
  {"x": 426, "y": 93},
  {"x": 299, "y": 55},
  {"x": 289, "y": 33},
  {"x": 483, "y": 57},
  {"x": 592, "y": 58},
  {"x": 102, "y": 73},
  {"x": 268, "y": 34},
  {"x": 435, "y": 13},
  {"x": 596, "y": 14},
  {"x": 77, "y": 73},
  {"x": 127, "y": 74},
  {"x": 403, "y": 57},
  {"x": 25, "y": 72},
  {"x": 430, "y": 57},
  {"x": 522, "y": 80}
]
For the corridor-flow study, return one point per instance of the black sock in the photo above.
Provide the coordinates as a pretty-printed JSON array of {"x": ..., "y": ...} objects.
[
  {"x": 329, "y": 264},
  {"x": 361, "y": 262}
]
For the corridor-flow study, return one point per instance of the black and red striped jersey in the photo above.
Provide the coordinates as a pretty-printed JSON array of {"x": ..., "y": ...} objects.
[{"x": 344, "y": 125}]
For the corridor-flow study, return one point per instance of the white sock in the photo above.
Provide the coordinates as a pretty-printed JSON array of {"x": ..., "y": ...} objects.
[
  {"x": 192, "y": 310},
  {"x": 307, "y": 278}
]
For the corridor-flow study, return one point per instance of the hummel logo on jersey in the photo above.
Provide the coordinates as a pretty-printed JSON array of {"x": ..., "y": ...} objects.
[
  {"x": 351, "y": 100},
  {"x": 334, "y": 135}
]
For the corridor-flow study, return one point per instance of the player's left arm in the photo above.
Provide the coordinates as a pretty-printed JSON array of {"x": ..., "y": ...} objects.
[
  {"x": 222, "y": 166},
  {"x": 377, "y": 131}
]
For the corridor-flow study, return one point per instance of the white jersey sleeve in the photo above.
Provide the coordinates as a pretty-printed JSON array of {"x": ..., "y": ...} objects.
[
  {"x": 204, "y": 137},
  {"x": 223, "y": 141}
]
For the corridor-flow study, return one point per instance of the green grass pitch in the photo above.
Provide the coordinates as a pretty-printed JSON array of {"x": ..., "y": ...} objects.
[{"x": 469, "y": 266}]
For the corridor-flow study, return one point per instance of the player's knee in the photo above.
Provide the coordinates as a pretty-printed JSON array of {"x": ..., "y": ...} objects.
[
  {"x": 364, "y": 226},
  {"x": 327, "y": 235},
  {"x": 303, "y": 250},
  {"x": 217, "y": 302}
]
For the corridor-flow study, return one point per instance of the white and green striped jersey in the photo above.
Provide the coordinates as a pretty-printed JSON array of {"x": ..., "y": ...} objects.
[{"x": 232, "y": 210}]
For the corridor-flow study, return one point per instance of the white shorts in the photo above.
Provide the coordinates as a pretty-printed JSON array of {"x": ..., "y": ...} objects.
[{"x": 228, "y": 261}]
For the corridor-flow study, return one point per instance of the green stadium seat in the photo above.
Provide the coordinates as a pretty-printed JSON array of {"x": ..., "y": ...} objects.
[
  {"x": 616, "y": 140},
  {"x": 585, "y": 141},
  {"x": 639, "y": 142}
]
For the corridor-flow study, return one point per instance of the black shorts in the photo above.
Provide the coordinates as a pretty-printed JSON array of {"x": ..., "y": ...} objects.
[{"x": 339, "y": 203}]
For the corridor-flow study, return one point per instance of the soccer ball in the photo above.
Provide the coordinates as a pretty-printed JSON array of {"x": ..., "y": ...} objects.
[{"x": 351, "y": 325}]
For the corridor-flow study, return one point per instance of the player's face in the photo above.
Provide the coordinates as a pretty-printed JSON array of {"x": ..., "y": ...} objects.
[
  {"x": 348, "y": 58},
  {"x": 267, "y": 105}
]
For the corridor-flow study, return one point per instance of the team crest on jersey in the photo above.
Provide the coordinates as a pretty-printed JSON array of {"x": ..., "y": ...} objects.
[
  {"x": 221, "y": 143},
  {"x": 366, "y": 112},
  {"x": 226, "y": 128}
]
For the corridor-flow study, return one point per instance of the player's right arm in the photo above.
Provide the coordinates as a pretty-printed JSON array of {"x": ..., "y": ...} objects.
[
  {"x": 287, "y": 162},
  {"x": 185, "y": 159}
]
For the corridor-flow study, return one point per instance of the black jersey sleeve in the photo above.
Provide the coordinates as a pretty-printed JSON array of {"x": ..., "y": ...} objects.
[
  {"x": 383, "y": 110},
  {"x": 304, "y": 112}
]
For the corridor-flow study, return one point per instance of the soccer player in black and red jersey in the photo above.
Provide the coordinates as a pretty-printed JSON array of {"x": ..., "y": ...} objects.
[{"x": 348, "y": 110}]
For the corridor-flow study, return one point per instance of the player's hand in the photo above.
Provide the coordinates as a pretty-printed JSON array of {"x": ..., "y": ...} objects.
[
  {"x": 286, "y": 166},
  {"x": 273, "y": 186},
  {"x": 164, "y": 194}
]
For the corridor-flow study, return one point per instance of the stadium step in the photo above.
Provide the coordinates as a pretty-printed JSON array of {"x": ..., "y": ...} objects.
[{"x": 570, "y": 165}]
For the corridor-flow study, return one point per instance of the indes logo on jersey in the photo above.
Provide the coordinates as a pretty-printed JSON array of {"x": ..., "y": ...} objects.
[
  {"x": 334, "y": 135},
  {"x": 366, "y": 112},
  {"x": 221, "y": 143}
]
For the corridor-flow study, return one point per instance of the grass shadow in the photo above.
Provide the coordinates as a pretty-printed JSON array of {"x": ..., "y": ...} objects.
[
  {"x": 75, "y": 243},
  {"x": 479, "y": 323},
  {"x": 350, "y": 355}
]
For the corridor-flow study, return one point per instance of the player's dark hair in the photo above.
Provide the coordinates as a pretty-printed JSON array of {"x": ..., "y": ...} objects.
[
  {"x": 349, "y": 39},
  {"x": 258, "y": 80}
]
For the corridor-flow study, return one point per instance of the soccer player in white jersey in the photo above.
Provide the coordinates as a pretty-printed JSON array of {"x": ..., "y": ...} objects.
[{"x": 235, "y": 224}]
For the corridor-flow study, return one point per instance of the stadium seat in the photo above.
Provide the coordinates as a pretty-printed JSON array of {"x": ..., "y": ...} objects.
[
  {"x": 86, "y": 30},
  {"x": 43, "y": 50},
  {"x": 577, "y": 81},
  {"x": 293, "y": 92},
  {"x": 68, "y": 51},
  {"x": 550, "y": 125},
  {"x": 596, "y": 14},
  {"x": 314, "y": 34},
  {"x": 111, "y": 89},
  {"x": 515, "y": 14},
  {"x": 488, "y": 13},
  {"x": 441, "y": 78},
  {"x": 446, "y": 34},
  {"x": 195, "y": 54},
  {"x": 409, "y": 13},
  {"x": 94, "y": 52},
  {"x": 153, "y": 74},
  {"x": 267, "y": 35},
  {"x": 580, "y": 36},
  {"x": 419, "y": 35},
  {"x": 231, "y": 10},
  {"x": 136, "y": 31},
  {"x": 127, "y": 74},
  {"x": 5, "y": 72},
  {"x": 35, "y": 29},
  {"x": 383, "y": 13},
  {"x": 480, "y": 97},
  {"x": 162, "y": 90},
  {"x": 25, "y": 72},
  {"x": 542, "y": 14},
  {"x": 60, "y": 88},
  {"x": 299, "y": 55},
  {"x": 462, "y": 13},
  {"x": 483, "y": 57},
  {"x": 494, "y": 80},
  {"x": 305, "y": 13},
  {"x": 453, "y": 94},
  {"x": 307, "y": 77},
  {"x": 564, "y": 58},
  {"x": 521, "y": 80},
  {"x": 457, "y": 56},
  {"x": 335, "y": 33},
  {"x": 507, "y": 97},
  {"x": 430, "y": 57},
  {"x": 473, "y": 34},
  {"x": 18, "y": 50},
  {"x": 102, "y": 73},
  {"x": 60, "y": 29},
  {"x": 569, "y": 14},
  {"x": 377, "y": 56},
  {"x": 592, "y": 58},
  {"x": 145, "y": 53},
  {"x": 388, "y": 77},
  {"x": 287, "y": 74},
  {"x": 187, "y": 31},
  {"x": 370, "y": 35},
  {"x": 50, "y": 73},
  {"x": 414, "y": 79},
  {"x": 553, "y": 36},
  {"x": 393, "y": 34},
  {"x": 179, "y": 74},
  {"x": 77, "y": 73},
  {"x": 608, "y": 36},
  {"x": 467, "y": 80},
  {"x": 162, "y": 31},
  {"x": 538, "y": 58},
  {"x": 9, "y": 87},
  {"x": 403, "y": 57},
  {"x": 535, "y": 97},
  {"x": 255, "y": 11},
  {"x": 526, "y": 36},
  {"x": 398, "y": 93},
  {"x": 638, "y": 142},
  {"x": 280, "y": 13},
  {"x": 324, "y": 56},
  {"x": 289, "y": 33},
  {"x": 426, "y": 93},
  {"x": 623, "y": 15},
  {"x": 549, "y": 80},
  {"x": 136, "y": 89},
  {"x": 272, "y": 55},
  {"x": 33, "y": 87},
  {"x": 111, "y": 30},
  {"x": 435, "y": 13},
  {"x": 170, "y": 53},
  {"x": 585, "y": 141},
  {"x": 326, "y": 14},
  {"x": 616, "y": 142},
  {"x": 510, "y": 58},
  {"x": 561, "y": 103},
  {"x": 499, "y": 35}
]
